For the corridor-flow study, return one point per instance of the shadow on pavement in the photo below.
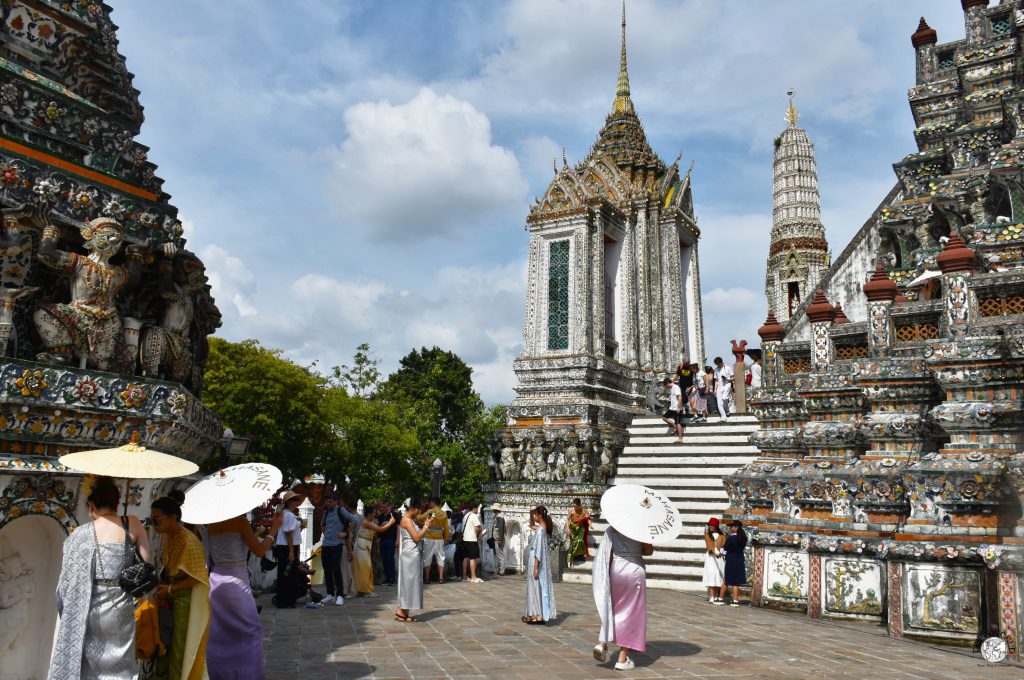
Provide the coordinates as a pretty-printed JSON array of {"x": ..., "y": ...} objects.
[
  {"x": 431, "y": 614},
  {"x": 660, "y": 648}
]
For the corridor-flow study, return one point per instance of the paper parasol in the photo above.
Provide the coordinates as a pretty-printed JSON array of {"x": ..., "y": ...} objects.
[
  {"x": 230, "y": 492},
  {"x": 131, "y": 461},
  {"x": 640, "y": 513}
]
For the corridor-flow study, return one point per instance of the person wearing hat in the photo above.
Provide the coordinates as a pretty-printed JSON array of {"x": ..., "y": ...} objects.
[
  {"x": 714, "y": 563},
  {"x": 497, "y": 540},
  {"x": 286, "y": 550},
  {"x": 735, "y": 568}
]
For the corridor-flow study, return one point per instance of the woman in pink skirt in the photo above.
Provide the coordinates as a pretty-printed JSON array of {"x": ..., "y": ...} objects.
[{"x": 620, "y": 592}]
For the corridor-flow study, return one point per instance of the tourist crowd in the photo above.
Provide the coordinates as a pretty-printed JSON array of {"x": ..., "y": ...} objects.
[
  {"x": 694, "y": 391},
  {"x": 204, "y": 620}
]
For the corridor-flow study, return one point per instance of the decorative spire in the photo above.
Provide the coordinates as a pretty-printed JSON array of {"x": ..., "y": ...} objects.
[
  {"x": 880, "y": 287},
  {"x": 956, "y": 256},
  {"x": 565, "y": 160},
  {"x": 623, "y": 104},
  {"x": 772, "y": 330},
  {"x": 792, "y": 115},
  {"x": 820, "y": 309},
  {"x": 924, "y": 35}
]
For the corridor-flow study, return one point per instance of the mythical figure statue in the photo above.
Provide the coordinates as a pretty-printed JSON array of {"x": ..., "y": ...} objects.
[
  {"x": 509, "y": 461},
  {"x": 606, "y": 470},
  {"x": 573, "y": 465},
  {"x": 166, "y": 350},
  {"x": 89, "y": 326},
  {"x": 536, "y": 468}
]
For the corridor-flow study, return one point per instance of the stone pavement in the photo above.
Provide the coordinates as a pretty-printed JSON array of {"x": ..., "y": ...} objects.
[{"x": 470, "y": 631}]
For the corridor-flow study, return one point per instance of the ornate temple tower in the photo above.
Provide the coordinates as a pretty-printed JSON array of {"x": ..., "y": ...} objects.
[
  {"x": 798, "y": 256},
  {"x": 613, "y": 303}
]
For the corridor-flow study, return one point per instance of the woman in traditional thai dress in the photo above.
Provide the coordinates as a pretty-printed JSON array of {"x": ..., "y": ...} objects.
[
  {"x": 620, "y": 592},
  {"x": 96, "y": 633},
  {"x": 735, "y": 565},
  {"x": 578, "y": 524},
  {"x": 714, "y": 563},
  {"x": 410, "y": 566},
  {"x": 540, "y": 592},
  {"x": 234, "y": 650},
  {"x": 362, "y": 548},
  {"x": 187, "y": 589}
]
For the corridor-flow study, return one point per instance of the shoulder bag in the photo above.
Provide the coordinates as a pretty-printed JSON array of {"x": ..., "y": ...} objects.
[{"x": 139, "y": 576}]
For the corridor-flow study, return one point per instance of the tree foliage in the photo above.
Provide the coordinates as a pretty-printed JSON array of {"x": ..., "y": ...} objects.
[{"x": 375, "y": 439}]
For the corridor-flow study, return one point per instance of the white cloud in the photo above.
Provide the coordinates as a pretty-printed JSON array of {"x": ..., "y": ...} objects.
[
  {"x": 230, "y": 279},
  {"x": 424, "y": 168},
  {"x": 732, "y": 314}
]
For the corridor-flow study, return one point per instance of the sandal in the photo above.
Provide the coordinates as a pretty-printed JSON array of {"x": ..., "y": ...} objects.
[
  {"x": 537, "y": 622},
  {"x": 406, "y": 619},
  {"x": 525, "y": 619}
]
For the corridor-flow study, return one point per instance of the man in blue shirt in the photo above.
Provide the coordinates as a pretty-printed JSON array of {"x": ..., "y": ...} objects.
[{"x": 336, "y": 523}]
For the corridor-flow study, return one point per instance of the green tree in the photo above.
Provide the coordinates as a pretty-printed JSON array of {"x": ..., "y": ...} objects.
[
  {"x": 450, "y": 420},
  {"x": 362, "y": 377},
  {"x": 260, "y": 394}
]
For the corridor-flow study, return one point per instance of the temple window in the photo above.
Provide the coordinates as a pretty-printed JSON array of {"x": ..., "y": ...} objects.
[
  {"x": 558, "y": 295},
  {"x": 1001, "y": 25},
  {"x": 946, "y": 60},
  {"x": 612, "y": 251},
  {"x": 793, "y": 292}
]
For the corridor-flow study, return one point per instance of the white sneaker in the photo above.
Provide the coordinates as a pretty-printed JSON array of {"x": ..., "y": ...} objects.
[
  {"x": 628, "y": 665},
  {"x": 339, "y": 600},
  {"x": 600, "y": 653}
]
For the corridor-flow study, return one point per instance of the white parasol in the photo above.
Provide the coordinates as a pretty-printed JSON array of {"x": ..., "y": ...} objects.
[
  {"x": 640, "y": 513},
  {"x": 230, "y": 492},
  {"x": 131, "y": 461}
]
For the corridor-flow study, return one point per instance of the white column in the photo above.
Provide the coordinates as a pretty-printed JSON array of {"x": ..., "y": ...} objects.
[{"x": 306, "y": 542}]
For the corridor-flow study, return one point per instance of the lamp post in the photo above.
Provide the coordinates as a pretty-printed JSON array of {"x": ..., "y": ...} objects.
[{"x": 437, "y": 473}]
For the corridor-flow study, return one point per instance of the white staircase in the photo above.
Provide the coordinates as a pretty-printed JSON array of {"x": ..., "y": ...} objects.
[{"x": 690, "y": 474}]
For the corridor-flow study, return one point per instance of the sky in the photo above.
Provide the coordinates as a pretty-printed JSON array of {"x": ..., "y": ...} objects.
[{"x": 361, "y": 171}]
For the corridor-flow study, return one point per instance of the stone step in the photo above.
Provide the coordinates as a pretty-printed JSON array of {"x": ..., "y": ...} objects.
[
  {"x": 707, "y": 430},
  {"x": 685, "y": 451},
  {"x": 687, "y": 584},
  {"x": 666, "y": 481},
  {"x": 682, "y": 465},
  {"x": 689, "y": 441},
  {"x": 732, "y": 421},
  {"x": 691, "y": 482}
]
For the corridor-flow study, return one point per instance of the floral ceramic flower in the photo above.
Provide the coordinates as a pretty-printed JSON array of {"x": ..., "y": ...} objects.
[
  {"x": 31, "y": 383},
  {"x": 9, "y": 94},
  {"x": 47, "y": 190},
  {"x": 86, "y": 389},
  {"x": 177, "y": 403},
  {"x": 91, "y": 125},
  {"x": 8, "y": 174},
  {"x": 134, "y": 395},
  {"x": 83, "y": 199},
  {"x": 52, "y": 111}
]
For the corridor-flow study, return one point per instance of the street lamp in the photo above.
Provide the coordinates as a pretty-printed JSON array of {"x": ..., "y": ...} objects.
[{"x": 437, "y": 473}]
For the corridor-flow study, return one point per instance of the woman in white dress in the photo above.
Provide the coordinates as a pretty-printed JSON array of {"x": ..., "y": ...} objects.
[
  {"x": 410, "y": 567},
  {"x": 714, "y": 562}
]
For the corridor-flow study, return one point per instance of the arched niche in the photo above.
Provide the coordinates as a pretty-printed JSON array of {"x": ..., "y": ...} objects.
[{"x": 30, "y": 560}]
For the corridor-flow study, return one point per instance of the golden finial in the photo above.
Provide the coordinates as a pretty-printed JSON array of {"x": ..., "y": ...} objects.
[
  {"x": 623, "y": 104},
  {"x": 792, "y": 115}
]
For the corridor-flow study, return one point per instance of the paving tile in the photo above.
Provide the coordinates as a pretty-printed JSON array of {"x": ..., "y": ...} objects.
[{"x": 475, "y": 633}]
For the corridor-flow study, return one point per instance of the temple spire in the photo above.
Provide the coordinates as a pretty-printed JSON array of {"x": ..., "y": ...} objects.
[
  {"x": 792, "y": 115},
  {"x": 623, "y": 104}
]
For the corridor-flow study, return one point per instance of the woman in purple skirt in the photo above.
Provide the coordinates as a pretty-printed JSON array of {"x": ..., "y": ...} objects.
[{"x": 234, "y": 649}]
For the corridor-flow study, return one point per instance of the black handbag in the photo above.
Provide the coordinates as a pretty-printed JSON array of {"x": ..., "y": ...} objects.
[{"x": 139, "y": 577}]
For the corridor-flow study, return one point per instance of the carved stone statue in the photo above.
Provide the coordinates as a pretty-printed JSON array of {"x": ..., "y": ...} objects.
[
  {"x": 606, "y": 469},
  {"x": 573, "y": 466},
  {"x": 89, "y": 326},
  {"x": 536, "y": 467},
  {"x": 166, "y": 350},
  {"x": 509, "y": 461}
]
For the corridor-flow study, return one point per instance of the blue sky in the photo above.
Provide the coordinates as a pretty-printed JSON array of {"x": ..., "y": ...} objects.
[{"x": 361, "y": 171}]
